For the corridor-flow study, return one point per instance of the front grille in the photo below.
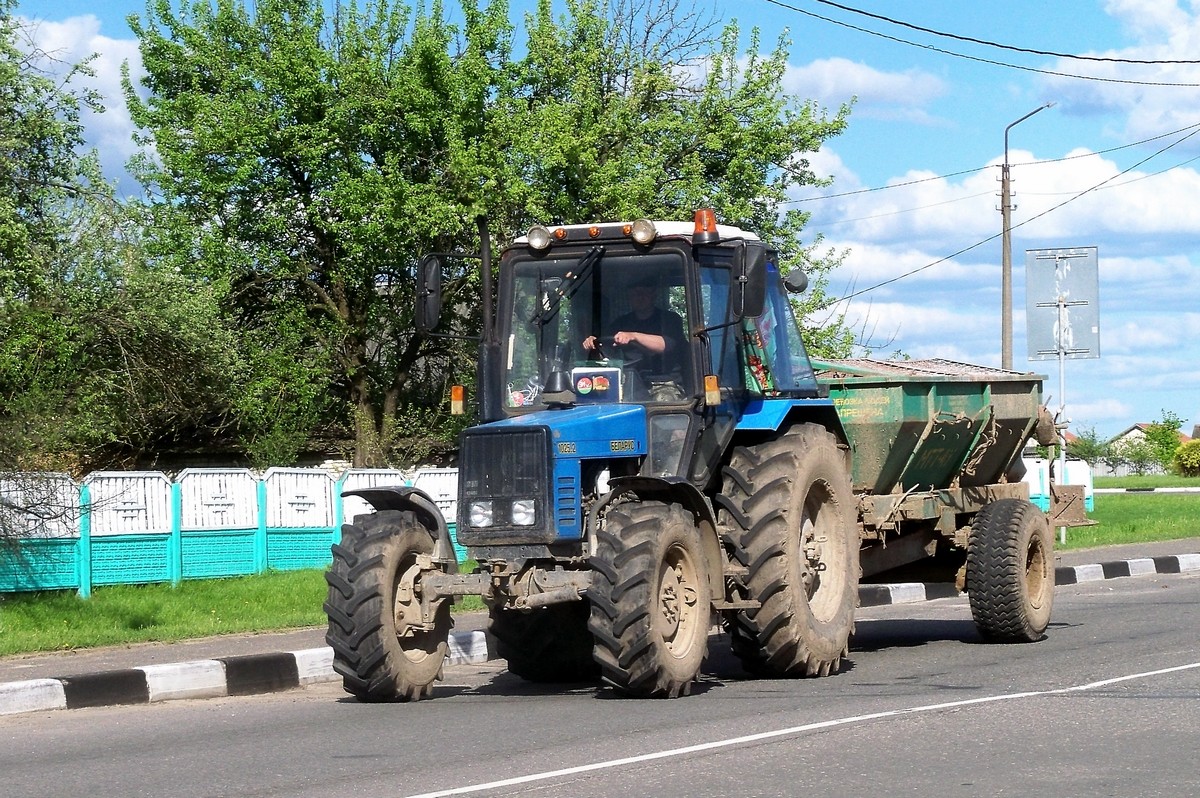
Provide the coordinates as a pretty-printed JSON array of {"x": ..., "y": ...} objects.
[{"x": 503, "y": 465}]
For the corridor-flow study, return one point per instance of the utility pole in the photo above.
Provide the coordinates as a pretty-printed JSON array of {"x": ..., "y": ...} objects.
[{"x": 1006, "y": 333}]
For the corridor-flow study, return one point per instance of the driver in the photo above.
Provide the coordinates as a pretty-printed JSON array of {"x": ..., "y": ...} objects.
[{"x": 656, "y": 332}]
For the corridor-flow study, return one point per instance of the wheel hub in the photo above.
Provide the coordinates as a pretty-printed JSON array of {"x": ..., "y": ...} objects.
[
  {"x": 407, "y": 607},
  {"x": 677, "y": 601}
]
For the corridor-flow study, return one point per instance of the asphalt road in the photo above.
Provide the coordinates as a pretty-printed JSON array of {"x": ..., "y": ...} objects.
[{"x": 1107, "y": 705}]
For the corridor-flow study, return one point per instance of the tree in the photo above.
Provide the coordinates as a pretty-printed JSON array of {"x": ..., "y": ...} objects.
[
  {"x": 1088, "y": 446},
  {"x": 1163, "y": 438},
  {"x": 306, "y": 161},
  {"x": 104, "y": 353},
  {"x": 42, "y": 181},
  {"x": 1138, "y": 454}
]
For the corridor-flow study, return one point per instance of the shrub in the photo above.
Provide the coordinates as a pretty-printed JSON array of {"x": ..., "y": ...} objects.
[{"x": 1187, "y": 459}]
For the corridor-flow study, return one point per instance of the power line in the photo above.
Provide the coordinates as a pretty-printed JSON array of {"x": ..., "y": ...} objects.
[
  {"x": 981, "y": 168},
  {"x": 997, "y": 45},
  {"x": 992, "y": 62},
  {"x": 830, "y": 223},
  {"x": 1115, "y": 185},
  {"x": 990, "y": 238}
]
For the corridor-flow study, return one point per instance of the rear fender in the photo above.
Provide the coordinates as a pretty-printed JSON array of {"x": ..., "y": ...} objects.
[
  {"x": 415, "y": 500},
  {"x": 676, "y": 490}
]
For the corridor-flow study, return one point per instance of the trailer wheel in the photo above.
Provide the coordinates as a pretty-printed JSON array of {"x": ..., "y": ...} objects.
[
  {"x": 380, "y": 646},
  {"x": 1010, "y": 571},
  {"x": 651, "y": 608},
  {"x": 800, "y": 547},
  {"x": 549, "y": 644}
]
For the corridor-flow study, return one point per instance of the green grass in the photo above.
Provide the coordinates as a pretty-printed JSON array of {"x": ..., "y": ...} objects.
[
  {"x": 1154, "y": 481},
  {"x": 1138, "y": 518},
  {"x": 122, "y": 614}
]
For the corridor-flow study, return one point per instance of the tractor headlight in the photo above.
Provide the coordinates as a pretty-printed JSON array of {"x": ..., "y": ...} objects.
[
  {"x": 524, "y": 512},
  {"x": 644, "y": 231},
  {"x": 538, "y": 237},
  {"x": 481, "y": 514}
]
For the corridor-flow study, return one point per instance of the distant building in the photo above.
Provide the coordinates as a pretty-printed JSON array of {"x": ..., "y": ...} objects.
[{"x": 1133, "y": 434}]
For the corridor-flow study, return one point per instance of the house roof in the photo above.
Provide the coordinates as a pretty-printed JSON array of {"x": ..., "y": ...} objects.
[{"x": 1141, "y": 427}]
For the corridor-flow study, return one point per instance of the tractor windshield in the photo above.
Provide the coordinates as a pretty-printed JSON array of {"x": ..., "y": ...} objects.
[{"x": 614, "y": 324}]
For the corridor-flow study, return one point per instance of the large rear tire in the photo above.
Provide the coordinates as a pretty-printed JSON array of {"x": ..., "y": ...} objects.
[
  {"x": 380, "y": 647},
  {"x": 548, "y": 644},
  {"x": 651, "y": 602},
  {"x": 797, "y": 537},
  {"x": 1010, "y": 571}
]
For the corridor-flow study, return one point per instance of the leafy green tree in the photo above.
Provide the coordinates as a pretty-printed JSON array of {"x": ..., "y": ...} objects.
[
  {"x": 105, "y": 355},
  {"x": 1163, "y": 438},
  {"x": 307, "y": 160},
  {"x": 1139, "y": 455},
  {"x": 603, "y": 124},
  {"x": 1088, "y": 446},
  {"x": 40, "y": 173}
]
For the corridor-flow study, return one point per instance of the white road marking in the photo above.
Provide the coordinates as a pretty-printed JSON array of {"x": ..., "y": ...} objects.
[{"x": 792, "y": 730}]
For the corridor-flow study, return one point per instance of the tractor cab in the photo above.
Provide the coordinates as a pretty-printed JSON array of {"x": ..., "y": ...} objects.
[{"x": 688, "y": 321}]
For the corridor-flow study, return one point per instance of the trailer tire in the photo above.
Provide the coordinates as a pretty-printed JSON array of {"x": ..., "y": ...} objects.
[
  {"x": 651, "y": 607},
  {"x": 1010, "y": 571},
  {"x": 548, "y": 644},
  {"x": 376, "y": 555},
  {"x": 797, "y": 538}
]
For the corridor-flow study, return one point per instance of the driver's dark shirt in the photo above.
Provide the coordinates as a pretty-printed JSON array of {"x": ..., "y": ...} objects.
[{"x": 669, "y": 325}]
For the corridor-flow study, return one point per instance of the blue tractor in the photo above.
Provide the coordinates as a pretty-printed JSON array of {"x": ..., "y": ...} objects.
[{"x": 655, "y": 456}]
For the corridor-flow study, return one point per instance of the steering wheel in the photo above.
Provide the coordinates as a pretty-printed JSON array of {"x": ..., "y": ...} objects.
[{"x": 632, "y": 354}]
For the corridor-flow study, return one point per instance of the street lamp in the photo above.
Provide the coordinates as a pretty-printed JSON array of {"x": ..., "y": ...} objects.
[{"x": 1006, "y": 334}]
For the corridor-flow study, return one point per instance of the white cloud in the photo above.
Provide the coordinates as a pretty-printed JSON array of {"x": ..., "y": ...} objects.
[
  {"x": 888, "y": 95},
  {"x": 72, "y": 41},
  {"x": 1099, "y": 409}
]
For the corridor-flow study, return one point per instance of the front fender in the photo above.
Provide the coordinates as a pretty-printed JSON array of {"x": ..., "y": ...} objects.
[
  {"x": 677, "y": 490},
  {"x": 415, "y": 500}
]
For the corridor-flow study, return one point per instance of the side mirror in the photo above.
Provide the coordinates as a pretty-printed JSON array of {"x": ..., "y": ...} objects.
[
  {"x": 796, "y": 281},
  {"x": 429, "y": 294},
  {"x": 750, "y": 276}
]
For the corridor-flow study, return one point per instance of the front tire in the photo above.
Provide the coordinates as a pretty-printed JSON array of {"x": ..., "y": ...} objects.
[
  {"x": 1010, "y": 571},
  {"x": 796, "y": 535},
  {"x": 380, "y": 646},
  {"x": 651, "y": 602}
]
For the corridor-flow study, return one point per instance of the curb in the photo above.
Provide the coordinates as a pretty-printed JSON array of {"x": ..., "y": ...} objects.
[
  {"x": 250, "y": 674},
  {"x": 1170, "y": 564},
  {"x": 269, "y": 673}
]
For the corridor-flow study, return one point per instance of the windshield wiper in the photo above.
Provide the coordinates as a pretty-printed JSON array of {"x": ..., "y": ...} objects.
[{"x": 571, "y": 282}]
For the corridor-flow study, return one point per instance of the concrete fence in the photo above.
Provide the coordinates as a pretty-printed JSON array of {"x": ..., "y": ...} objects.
[{"x": 142, "y": 527}]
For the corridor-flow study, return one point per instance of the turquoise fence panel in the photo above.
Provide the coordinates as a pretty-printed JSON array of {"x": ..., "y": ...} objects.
[
  {"x": 212, "y": 554},
  {"x": 291, "y": 549},
  {"x": 441, "y": 485},
  {"x": 219, "y": 523},
  {"x": 300, "y": 518},
  {"x": 44, "y": 510},
  {"x": 1037, "y": 476},
  {"x": 460, "y": 551},
  {"x": 47, "y": 564},
  {"x": 129, "y": 503},
  {"x": 131, "y": 559}
]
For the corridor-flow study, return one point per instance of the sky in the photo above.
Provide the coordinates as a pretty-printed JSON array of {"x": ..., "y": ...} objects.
[{"x": 914, "y": 205}]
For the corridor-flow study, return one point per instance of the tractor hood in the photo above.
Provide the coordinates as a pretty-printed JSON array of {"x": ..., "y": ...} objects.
[{"x": 585, "y": 432}]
